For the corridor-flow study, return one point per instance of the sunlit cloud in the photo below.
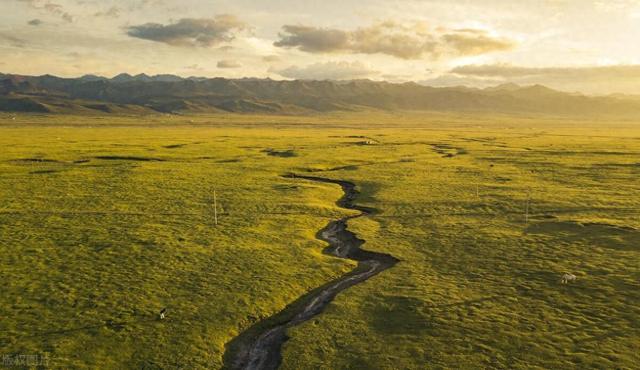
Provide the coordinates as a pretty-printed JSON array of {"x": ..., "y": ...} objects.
[
  {"x": 406, "y": 41},
  {"x": 271, "y": 58},
  {"x": 510, "y": 71},
  {"x": 593, "y": 79},
  {"x": 327, "y": 71}
]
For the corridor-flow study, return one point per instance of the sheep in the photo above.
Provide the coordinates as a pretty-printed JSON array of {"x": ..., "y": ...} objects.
[{"x": 567, "y": 277}]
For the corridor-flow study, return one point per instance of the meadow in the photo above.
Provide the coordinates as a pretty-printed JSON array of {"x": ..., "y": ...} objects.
[{"x": 106, "y": 220}]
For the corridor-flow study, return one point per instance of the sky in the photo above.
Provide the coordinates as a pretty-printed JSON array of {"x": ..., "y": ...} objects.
[{"x": 590, "y": 46}]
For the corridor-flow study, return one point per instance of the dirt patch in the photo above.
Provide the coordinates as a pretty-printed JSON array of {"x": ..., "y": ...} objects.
[
  {"x": 174, "y": 146},
  {"x": 447, "y": 151},
  {"x": 43, "y": 172},
  {"x": 280, "y": 153},
  {"x": 228, "y": 161},
  {"x": 36, "y": 160}
]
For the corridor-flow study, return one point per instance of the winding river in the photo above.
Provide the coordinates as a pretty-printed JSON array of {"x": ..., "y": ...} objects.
[{"x": 259, "y": 347}]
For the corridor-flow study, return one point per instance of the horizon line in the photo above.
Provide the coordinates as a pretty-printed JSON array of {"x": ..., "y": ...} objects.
[{"x": 144, "y": 74}]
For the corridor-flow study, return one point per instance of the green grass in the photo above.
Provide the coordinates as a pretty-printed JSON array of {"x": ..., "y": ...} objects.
[{"x": 105, "y": 220}]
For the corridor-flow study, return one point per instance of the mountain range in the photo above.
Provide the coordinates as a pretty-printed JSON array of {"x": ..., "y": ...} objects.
[{"x": 142, "y": 94}]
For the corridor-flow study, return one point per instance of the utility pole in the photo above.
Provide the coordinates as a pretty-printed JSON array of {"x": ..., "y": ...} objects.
[{"x": 215, "y": 208}]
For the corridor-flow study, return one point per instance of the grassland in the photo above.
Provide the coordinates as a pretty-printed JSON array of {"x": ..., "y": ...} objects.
[{"x": 105, "y": 220}]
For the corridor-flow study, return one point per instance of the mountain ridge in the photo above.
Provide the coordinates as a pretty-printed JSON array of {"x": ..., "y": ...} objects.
[{"x": 174, "y": 94}]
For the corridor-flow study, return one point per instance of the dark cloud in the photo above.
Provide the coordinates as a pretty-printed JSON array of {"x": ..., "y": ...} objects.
[
  {"x": 190, "y": 31},
  {"x": 228, "y": 64},
  {"x": 35, "y": 22},
  {"x": 327, "y": 71},
  {"x": 405, "y": 41},
  {"x": 382, "y": 38},
  {"x": 314, "y": 40}
]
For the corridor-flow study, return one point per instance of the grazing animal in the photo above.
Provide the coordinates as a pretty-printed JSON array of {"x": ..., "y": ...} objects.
[
  {"x": 567, "y": 278},
  {"x": 163, "y": 312}
]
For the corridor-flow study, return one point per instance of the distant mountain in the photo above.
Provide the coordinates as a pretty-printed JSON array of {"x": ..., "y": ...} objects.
[
  {"x": 169, "y": 93},
  {"x": 505, "y": 87},
  {"x": 625, "y": 97},
  {"x": 125, "y": 77},
  {"x": 89, "y": 78}
]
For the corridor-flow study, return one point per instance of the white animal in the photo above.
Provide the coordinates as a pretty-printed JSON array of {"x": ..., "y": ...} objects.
[{"x": 567, "y": 278}]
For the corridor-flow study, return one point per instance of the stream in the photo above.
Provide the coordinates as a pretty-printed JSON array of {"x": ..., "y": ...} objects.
[{"x": 260, "y": 347}]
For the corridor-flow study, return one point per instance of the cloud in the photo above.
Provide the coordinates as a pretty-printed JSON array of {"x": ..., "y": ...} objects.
[
  {"x": 589, "y": 79},
  {"x": 397, "y": 78},
  {"x": 228, "y": 64},
  {"x": 140, "y": 4},
  {"x": 49, "y": 7},
  {"x": 35, "y": 22},
  {"x": 327, "y": 71},
  {"x": 194, "y": 67},
  {"x": 609, "y": 6},
  {"x": 564, "y": 73},
  {"x": 191, "y": 31},
  {"x": 113, "y": 12},
  {"x": 449, "y": 80},
  {"x": 13, "y": 41},
  {"x": 405, "y": 41},
  {"x": 475, "y": 42},
  {"x": 313, "y": 40},
  {"x": 271, "y": 58},
  {"x": 59, "y": 11}
]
